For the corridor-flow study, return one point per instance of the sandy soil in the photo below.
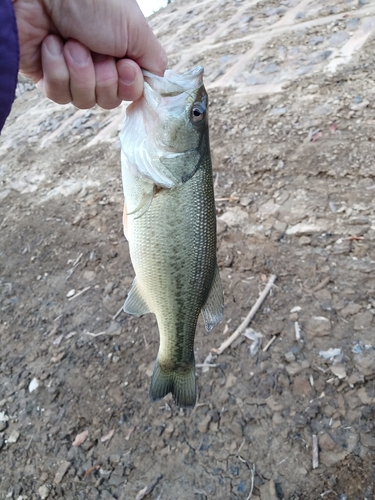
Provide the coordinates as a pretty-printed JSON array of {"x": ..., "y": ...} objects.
[{"x": 292, "y": 137}]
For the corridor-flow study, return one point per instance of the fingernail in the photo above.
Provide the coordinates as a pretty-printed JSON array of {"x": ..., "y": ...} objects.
[
  {"x": 54, "y": 47},
  {"x": 128, "y": 75},
  {"x": 79, "y": 55}
]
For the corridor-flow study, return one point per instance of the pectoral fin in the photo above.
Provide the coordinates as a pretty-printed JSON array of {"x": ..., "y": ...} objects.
[
  {"x": 181, "y": 166},
  {"x": 135, "y": 303},
  {"x": 213, "y": 309},
  {"x": 144, "y": 204}
]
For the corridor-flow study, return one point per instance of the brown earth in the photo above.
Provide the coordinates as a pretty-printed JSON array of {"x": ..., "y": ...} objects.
[{"x": 292, "y": 138}]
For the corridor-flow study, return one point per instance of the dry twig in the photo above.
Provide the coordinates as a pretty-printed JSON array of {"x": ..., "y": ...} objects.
[
  {"x": 248, "y": 318},
  {"x": 315, "y": 456},
  {"x": 80, "y": 293},
  {"x": 269, "y": 343}
]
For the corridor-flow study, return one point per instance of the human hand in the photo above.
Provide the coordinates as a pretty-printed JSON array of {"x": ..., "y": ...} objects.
[{"x": 87, "y": 51}]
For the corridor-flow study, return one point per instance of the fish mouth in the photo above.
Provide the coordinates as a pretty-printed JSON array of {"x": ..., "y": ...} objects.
[{"x": 172, "y": 83}]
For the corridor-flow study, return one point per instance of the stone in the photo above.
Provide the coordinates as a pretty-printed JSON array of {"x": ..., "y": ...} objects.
[
  {"x": 290, "y": 357},
  {"x": 297, "y": 367},
  {"x": 365, "y": 362},
  {"x": 339, "y": 371},
  {"x": 61, "y": 471},
  {"x": 350, "y": 309},
  {"x": 316, "y": 40},
  {"x": 273, "y": 404},
  {"x": 13, "y": 438},
  {"x": 44, "y": 492},
  {"x": 365, "y": 396},
  {"x": 268, "y": 491},
  {"x": 204, "y": 424},
  {"x": 235, "y": 216},
  {"x": 338, "y": 38},
  {"x": 318, "y": 326},
  {"x": 304, "y": 240},
  {"x": 89, "y": 275},
  {"x": 303, "y": 228},
  {"x": 109, "y": 288},
  {"x": 362, "y": 320},
  {"x": 301, "y": 386}
]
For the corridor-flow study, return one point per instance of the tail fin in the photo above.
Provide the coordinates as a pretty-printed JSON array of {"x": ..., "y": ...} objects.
[{"x": 180, "y": 383}]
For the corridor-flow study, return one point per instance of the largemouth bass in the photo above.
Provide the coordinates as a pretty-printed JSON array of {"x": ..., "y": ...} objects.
[{"x": 170, "y": 222}]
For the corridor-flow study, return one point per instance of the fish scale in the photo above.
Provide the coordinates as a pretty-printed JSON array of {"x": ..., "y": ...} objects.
[{"x": 171, "y": 230}]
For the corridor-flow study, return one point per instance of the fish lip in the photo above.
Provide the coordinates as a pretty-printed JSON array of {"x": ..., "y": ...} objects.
[{"x": 173, "y": 83}]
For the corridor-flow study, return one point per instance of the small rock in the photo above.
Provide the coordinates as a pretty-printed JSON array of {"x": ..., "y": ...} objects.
[
  {"x": 290, "y": 357},
  {"x": 3, "y": 425},
  {"x": 71, "y": 293},
  {"x": 273, "y": 404},
  {"x": 13, "y": 438},
  {"x": 350, "y": 309},
  {"x": 365, "y": 396},
  {"x": 303, "y": 228},
  {"x": 221, "y": 226},
  {"x": 62, "y": 470},
  {"x": 301, "y": 386},
  {"x": 304, "y": 240},
  {"x": 268, "y": 491},
  {"x": 318, "y": 326},
  {"x": 365, "y": 362},
  {"x": 297, "y": 367},
  {"x": 338, "y": 38},
  {"x": 245, "y": 201},
  {"x": 44, "y": 492},
  {"x": 362, "y": 320},
  {"x": 204, "y": 424},
  {"x": 326, "y": 443},
  {"x": 316, "y": 40},
  {"x": 34, "y": 384},
  {"x": 339, "y": 371},
  {"x": 109, "y": 288},
  {"x": 89, "y": 275}
]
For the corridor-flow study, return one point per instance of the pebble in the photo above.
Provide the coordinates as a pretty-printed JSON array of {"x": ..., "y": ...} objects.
[
  {"x": 365, "y": 362},
  {"x": 34, "y": 384},
  {"x": 350, "y": 309},
  {"x": 297, "y": 367},
  {"x": 362, "y": 320},
  {"x": 71, "y": 293},
  {"x": 303, "y": 228},
  {"x": 301, "y": 386},
  {"x": 339, "y": 371},
  {"x": 62, "y": 470},
  {"x": 268, "y": 491},
  {"x": 44, "y": 492},
  {"x": 13, "y": 438},
  {"x": 316, "y": 40},
  {"x": 318, "y": 326},
  {"x": 204, "y": 424}
]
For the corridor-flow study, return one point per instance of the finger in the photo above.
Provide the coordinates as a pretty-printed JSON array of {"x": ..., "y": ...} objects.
[
  {"x": 106, "y": 81},
  {"x": 130, "y": 80},
  {"x": 145, "y": 48},
  {"x": 82, "y": 74},
  {"x": 55, "y": 82}
]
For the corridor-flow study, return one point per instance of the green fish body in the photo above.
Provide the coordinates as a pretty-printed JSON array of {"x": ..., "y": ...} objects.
[{"x": 170, "y": 223}]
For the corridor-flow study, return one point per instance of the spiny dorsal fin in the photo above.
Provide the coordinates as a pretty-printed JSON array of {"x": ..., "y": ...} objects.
[
  {"x": 135, "y": 303},
  {"x": 213, "y": 309}
]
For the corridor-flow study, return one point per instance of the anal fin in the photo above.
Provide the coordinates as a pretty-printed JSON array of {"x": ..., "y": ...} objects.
[
  {"x": 213, "y": 309},
  {"x": 135, "y": 303}
]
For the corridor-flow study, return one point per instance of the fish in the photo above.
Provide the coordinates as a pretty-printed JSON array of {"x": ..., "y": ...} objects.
[{"x": 170, "y": 223}]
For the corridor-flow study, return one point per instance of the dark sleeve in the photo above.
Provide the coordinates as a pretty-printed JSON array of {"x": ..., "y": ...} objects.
[{"x": 9, "y": 58}]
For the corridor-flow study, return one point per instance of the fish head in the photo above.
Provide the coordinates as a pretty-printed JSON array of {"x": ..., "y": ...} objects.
[{"x": 167, "y": 129}]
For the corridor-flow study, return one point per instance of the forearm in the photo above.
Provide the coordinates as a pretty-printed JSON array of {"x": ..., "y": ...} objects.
[{"x": 9, "y": 58}]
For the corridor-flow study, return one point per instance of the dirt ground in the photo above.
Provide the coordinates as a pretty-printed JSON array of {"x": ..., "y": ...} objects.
[{"x": 292, "y": 138}]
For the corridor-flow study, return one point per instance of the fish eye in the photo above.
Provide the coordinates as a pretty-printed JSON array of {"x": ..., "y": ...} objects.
[{"x": 197, "y": 113}]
